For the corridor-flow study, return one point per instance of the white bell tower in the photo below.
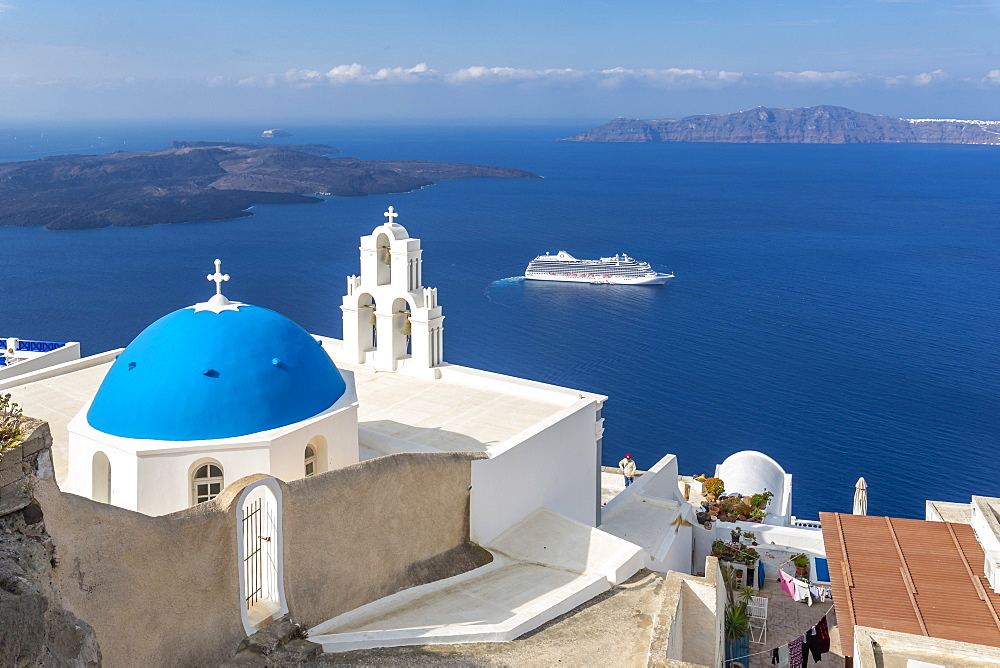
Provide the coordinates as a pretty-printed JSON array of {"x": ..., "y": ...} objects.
[{"x": 391, "y": 321}]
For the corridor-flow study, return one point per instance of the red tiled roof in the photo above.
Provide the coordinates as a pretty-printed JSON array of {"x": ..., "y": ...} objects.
[{"x": 912, "y": 576}]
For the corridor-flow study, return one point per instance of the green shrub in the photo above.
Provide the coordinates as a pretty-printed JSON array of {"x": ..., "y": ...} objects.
[
  {"x": 715, "y": 486},
  {"x": 761, "y": 500},
  {"x": 10, "y": 425}
]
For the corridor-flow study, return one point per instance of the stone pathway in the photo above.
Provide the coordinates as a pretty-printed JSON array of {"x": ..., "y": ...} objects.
[{"x": 787, "y": 619}]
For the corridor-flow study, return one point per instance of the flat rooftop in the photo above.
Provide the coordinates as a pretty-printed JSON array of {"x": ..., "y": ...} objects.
[
  {"x": 440, "y": 414},
  {"x": 57, "y": 400},
  {"x": 396, "y": 412}
]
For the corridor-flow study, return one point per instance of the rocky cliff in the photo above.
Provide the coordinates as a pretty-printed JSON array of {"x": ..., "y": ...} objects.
[
  {"x": 35, "y": 628},
  {"x": 809, "y": 125}
]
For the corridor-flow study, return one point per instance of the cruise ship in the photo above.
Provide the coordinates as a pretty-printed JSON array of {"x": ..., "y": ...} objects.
[{"x": 618, "y": 269}]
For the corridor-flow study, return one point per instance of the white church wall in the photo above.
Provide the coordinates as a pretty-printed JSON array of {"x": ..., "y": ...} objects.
[
  {"x": 165, "y": 478},
  {"x": 334, "y": 438},
  {"x": 80, "y": 478},
  {"x": 550, "y": 466}
]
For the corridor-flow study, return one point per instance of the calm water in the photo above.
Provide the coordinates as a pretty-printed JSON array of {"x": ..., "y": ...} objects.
[{"x": 835, "y": 306}]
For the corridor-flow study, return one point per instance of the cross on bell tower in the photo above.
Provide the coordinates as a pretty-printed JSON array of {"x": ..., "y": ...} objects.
[{"x": 391, "y": 214}]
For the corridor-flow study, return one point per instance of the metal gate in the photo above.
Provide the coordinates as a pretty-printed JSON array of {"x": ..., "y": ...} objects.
[{"x": 260, "y": 565}]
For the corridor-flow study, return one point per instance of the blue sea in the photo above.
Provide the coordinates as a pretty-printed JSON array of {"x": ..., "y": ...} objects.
[{"x": 836, "y": 307}]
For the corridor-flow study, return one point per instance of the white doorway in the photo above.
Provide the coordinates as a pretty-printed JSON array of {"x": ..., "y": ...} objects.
[{"x": 260, "y": 554}]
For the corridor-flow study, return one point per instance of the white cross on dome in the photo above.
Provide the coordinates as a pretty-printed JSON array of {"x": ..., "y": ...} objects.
[
  {"x": 391, "y": 214},
  {"x": 218, "y": 276},
  {"x": 218, "y": 302}
]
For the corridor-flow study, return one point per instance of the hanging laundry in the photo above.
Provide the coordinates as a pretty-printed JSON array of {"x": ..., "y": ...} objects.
[
  {"x": 823, "y": 634},
  {"x": 783, "y": 656},
  {"x": 775, "y": 656},
  {"x": 820, "y": 593},
  {"x": 801, "y": 591},
  {"x": 812, "y": 646},
  {"x": 787, "y": 581},
  {"x": 795, "y": 653}
]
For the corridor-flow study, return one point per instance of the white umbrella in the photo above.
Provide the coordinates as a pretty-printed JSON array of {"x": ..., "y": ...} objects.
[{"x": 861, "y": 497}]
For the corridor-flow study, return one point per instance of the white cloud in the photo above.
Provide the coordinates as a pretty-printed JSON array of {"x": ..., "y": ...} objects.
[
  {"x": 609, "y": 78},
  {"x": 992, "y": 77},
  {"x": 258, "y": 82},
  {"x": 4, "y": 7},
  {"x": 359, "y": 74},
  {"x": 925, "y": 78},
  {"x": 417, "y": 73},
  {"x": 922, "y": 79},
  {"x": 835, "y": 78},
  {"x": 480, "y": 74},
  {"x": 672, "y": 77}
]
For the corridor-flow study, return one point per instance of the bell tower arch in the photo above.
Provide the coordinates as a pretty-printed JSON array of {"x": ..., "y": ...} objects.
[{"x": 391, "y": 321}]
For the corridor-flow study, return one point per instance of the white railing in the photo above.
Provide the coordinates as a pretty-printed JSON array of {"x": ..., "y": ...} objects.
[{"x": 808, "y": 524}]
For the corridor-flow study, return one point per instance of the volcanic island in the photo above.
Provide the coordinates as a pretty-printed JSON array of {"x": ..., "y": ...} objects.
[{"x": 200, "y": 181}]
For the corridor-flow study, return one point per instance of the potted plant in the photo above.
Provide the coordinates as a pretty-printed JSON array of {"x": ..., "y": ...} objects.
[
  {"x": 735, "y": 534},
  {"x": 713, "y": 488},
  {"x": 737, "y": 623},
  {"x": 718, "y": 548},
  {"x": 760, "y": 501},
  {"x": 749, "y": 538},
  {"x": 801, "y": 562}
]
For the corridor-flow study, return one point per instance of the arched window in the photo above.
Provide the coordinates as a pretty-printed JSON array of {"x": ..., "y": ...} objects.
[
  {"x": 206, "y": 483},
  {"x": 101, "y": 478},
  {"x": 317, "y": 459},
  {"x": 310, "y": 460}
]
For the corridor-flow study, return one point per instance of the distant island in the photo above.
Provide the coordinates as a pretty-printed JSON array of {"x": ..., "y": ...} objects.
[
  {"x": 315, "y": 149},
  {"x": 201, "y": 181},
  {"x": 804, "y": 125},
  {"x": 276, "y": 132}
]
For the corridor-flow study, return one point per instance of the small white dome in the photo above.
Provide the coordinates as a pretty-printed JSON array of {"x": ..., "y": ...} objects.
[{"x": 752, "y": 472}]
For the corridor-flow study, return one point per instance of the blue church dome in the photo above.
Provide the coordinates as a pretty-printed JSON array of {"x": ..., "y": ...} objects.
[{"x": 199, "y": 374}]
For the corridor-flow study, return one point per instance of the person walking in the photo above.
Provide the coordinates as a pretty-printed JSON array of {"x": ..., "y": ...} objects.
[{"x": 627, "y": 467}]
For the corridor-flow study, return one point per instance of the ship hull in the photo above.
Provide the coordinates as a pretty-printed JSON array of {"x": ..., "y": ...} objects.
[{"x": 656, "y": 279}]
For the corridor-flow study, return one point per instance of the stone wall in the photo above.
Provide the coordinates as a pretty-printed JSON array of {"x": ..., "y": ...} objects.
[
  {"x": 35, "y": 628},
  {"x": 366, "y": 531},
  {"x": 165, "y": 590},
  {"x": 157, "y": 590},
  {"x": 20, "y": 465}
]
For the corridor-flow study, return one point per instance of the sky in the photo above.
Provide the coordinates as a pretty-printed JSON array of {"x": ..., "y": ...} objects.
[{"x": 486, "y": 61}]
